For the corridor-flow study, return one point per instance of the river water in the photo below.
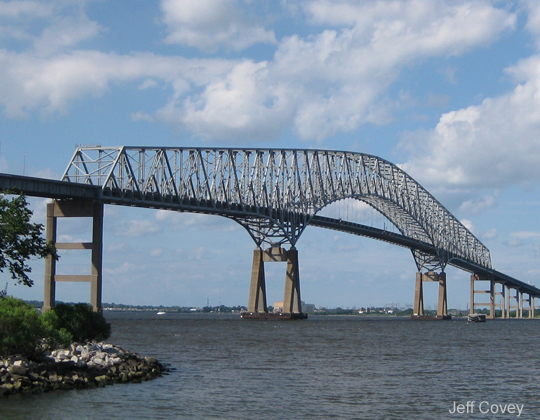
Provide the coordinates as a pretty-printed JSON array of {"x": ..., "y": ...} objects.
[{"x": 321, "y": 368}]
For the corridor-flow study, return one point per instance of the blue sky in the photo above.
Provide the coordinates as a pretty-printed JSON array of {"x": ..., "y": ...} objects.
[{"x": 448, "y": 90}]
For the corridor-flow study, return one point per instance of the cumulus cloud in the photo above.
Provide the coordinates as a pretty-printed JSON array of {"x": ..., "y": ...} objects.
[
  {"x": 211, "y": 24},
  {"x": 526, "y": 234},
  {"x": 482, "y": 235},
  {"x": 134, "y": 228},
  {"x": 28, "y": 82},
  {"x": 317, "y": 85},
  {"x": 334, "y": 81},
  {"x": 491, "y": 145},
  {"x": 478, "y": 205},
  {"x": 125, "y": 267}
]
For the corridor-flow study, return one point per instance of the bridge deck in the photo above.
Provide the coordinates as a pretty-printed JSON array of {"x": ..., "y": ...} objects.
[{"x": 48, "y": 188}]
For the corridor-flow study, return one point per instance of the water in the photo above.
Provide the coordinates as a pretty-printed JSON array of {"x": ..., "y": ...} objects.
[{"x": 322, "y": 368}]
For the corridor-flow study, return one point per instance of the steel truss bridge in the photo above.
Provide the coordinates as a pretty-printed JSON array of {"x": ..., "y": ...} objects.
[{"x": 275, "y": 194}]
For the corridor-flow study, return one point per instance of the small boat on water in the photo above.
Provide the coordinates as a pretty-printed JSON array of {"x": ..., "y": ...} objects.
[
  {"x": 161, "y": 313},
  {"x": 477, "y": 318}
]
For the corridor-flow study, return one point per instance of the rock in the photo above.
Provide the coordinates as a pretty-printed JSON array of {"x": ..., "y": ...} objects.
[
  {"x": 80, "y": 366},
  {"x": 18, "y": 370},
  {"x": 20, "y": 363}
]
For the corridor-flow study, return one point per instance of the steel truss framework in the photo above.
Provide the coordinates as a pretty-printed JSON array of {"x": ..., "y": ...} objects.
[{"x": 274, "y": 193}]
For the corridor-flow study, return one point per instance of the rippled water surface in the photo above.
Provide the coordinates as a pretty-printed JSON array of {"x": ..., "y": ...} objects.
[{"x": 321, "y": 368}]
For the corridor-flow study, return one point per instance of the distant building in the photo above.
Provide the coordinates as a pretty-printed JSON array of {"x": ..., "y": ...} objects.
[{"x": 306, "y": 307}]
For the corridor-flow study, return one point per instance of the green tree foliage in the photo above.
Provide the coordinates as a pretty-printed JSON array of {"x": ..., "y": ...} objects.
[
  {"x": 20, "y": 239},
  {"x": 23, "y": 331},
  {"x": 81, "y": 322}
]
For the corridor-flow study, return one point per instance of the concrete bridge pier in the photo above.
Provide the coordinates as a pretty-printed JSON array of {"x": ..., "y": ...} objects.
[
  {"x": 257, "y": 290},
  {"x": 257, "y": 304},
  {"x": 75, "y": 208},
  {"x": 291, "y": 300},
  {"x": 442, "y": 306},
  {"x": 491, "y": 292}
]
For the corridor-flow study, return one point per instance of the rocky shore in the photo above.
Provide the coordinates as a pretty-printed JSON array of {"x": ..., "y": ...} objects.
[{"x": 79, "y": 366}]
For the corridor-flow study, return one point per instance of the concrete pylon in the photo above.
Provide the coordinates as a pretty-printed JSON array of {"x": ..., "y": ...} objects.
[
  {"x": 431, "y": 276},
  {"x": 257, "y": 290},
  {"x": 75, "y": 208},
  {"x": 291, "y": 299},
  {"x": 418, "y": 309},
  {"x": 491, "y": 292},
  {"x": 442, "y": 307}
]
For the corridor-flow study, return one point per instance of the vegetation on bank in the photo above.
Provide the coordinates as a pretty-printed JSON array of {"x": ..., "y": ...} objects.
[
  {"x": 26, "y": 332},
  {"x": 19, "y": 238},
  {"x": 23, "y": 330}
]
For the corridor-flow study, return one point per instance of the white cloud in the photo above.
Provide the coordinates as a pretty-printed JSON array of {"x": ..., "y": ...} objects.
[
  {"x": 526, "y": 234},
  {"x": 156, "y": 252},
  {"x": 125, "y": 267},
  {"x": 17, "y": 9},
  {"x": 318, "y": 85},
  {"x": 134, "y": 228},
  {"x": 243, "y": 105},
  {"x": 211, "y": 24},
  {"x": 333, "y": 81},
  {"x": 494, "y": 144},
  {"x": 478, "y": 205},
  {"x": 67, "y": 32},
  {"x": 28, "y": 82}
]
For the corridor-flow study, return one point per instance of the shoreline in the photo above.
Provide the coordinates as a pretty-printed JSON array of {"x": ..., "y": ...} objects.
[{"x": 80, "y": 366}]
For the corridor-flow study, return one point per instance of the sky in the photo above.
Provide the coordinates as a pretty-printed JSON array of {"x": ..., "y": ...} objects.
[{"x": 447, "y": 90}]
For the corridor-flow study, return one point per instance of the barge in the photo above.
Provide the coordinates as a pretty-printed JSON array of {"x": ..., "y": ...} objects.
[{"x": 477, "y": 318}]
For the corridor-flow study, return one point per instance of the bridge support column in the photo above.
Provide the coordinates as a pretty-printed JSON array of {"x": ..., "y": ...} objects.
[
  {"x": 291, "y": 298},
  {"x": 442, "y": 307},
  {"x": 508, "y": 299},
  {"x": 75, "y": 208},
  {"x": 257, "y": 305},
  {"x": 531, "y": 306},
  {"x": 257, "y": 291},
  {"x": 418, "y": 309},
  {"x": 491, "y": 291},
  {"x": 503, "y": 301}
]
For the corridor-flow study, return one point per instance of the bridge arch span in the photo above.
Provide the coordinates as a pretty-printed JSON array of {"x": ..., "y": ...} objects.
[{"x": 276, "y": 193}]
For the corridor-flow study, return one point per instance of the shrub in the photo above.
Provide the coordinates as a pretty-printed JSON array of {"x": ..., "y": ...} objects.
[
  {"x": 22, "y": 329},
  {"x": 80, "y": 321}
]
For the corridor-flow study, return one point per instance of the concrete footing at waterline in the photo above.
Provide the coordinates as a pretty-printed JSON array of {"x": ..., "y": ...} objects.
[{"x": 257, "y": 304}]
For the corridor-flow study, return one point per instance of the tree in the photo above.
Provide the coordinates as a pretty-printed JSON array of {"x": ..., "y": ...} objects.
[
  {"x": 79, "y": 321},
  {"x": 19, "y": 238}
]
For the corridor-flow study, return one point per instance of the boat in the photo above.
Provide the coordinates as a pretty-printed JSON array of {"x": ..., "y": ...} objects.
[
  {"x": 161, "y": 313},
  {"x": 477, "y": 318}
]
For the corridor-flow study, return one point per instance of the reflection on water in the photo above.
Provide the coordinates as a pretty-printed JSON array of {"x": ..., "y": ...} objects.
[{"x": 322, "y": 368}]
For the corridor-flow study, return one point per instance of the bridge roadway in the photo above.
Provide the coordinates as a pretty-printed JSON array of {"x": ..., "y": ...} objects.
[{"x": 61, "y": 190}]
